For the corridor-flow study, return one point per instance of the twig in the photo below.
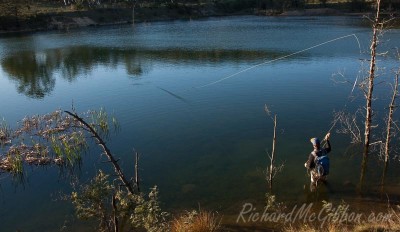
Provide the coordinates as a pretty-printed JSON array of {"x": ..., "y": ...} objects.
[
  {"x": 115, "y": 217},
  {"x": 272, "y": 157},
  {"x": 137, "y": 171}
]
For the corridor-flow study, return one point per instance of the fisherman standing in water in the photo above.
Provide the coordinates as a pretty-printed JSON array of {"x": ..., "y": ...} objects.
[{"x": 318, "y": 160}]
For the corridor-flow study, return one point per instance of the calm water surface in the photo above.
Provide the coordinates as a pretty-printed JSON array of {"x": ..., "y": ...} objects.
[{"x": 205, "y": 145}]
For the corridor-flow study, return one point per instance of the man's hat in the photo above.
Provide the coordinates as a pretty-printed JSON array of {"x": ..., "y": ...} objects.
[{"x": 315, "y": 141}]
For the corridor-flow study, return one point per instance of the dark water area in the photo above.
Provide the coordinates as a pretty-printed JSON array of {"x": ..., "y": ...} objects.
[{"x": 201, "y": 143}]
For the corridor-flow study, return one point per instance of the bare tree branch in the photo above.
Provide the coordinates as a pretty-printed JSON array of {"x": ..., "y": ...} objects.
[{"x": 107, "y": 152}]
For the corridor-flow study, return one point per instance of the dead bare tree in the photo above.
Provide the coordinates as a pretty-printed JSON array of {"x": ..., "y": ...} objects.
[
  {"x": 389, "y": 125},
  {"x": 272, "y": 170},
  {"x": 368, "y": 93},
  {"x": 365, "y": 81}
]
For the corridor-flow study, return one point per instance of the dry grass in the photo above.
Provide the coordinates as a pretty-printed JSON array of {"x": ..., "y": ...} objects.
[
  {"x": 341, "y": 228},
  {"x": 342, "y": 219},
  {"x": 194, "y": 221},
  {"x": 389, "y": 227},
  {"x": 363, "y": 226}
]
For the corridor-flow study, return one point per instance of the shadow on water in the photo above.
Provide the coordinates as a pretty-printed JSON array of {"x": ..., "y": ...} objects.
[
  {"x": 35, "y": 72},
  {"x": 175, "y": 95}
]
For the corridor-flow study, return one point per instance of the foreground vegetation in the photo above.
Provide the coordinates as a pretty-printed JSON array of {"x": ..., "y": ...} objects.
[{"x": 115, "y": 201}]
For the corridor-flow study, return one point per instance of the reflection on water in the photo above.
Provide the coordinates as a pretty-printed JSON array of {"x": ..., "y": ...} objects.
[
  {"x": 32, "y": 72},
  {"x": 35, "y": 72}
]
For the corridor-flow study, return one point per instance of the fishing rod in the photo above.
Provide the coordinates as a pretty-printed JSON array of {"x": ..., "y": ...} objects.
[
  {"x": 345, "y": 105},
  {"x": 308, "y": 171}
]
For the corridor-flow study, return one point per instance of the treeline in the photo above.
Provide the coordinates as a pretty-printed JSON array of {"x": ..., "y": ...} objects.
[
  {"x": 227, "y": 5},
  {"x": 282, "y": 5},
  {"x": 219, "y": 6},
  {"x": 38, "y": 15}
]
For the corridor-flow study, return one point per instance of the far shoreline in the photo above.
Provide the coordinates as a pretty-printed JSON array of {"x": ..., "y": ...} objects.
[{"x": 67, "y": 21}]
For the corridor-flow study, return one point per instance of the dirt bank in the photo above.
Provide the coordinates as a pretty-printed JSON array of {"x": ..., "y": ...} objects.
[{"x": 44, "y": 18}]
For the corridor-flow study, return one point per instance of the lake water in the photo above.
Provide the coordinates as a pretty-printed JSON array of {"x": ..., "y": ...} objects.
[{"x": 201, "y": 144}]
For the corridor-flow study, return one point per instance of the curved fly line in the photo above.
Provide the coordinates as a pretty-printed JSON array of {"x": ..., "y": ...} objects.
[{"x": 281, "y": 58}]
